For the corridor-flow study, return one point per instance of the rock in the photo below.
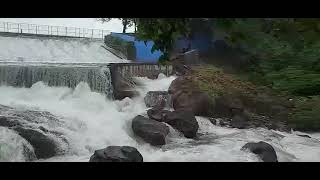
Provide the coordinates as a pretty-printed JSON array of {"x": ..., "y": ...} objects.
[
  {"x": 239, "y": 121},
  {"x": 188, "y": 97},
  {"x": 227, "y": 106},
  {"x": 44, "y": 146},
  {"x": 117, "y": 154},
  {"x": 264, "y": 150},
  {"x": 213, "y": 121},
  {"x": 304, "y": 135},
  {"x": 184, "y": 121},
  {"x": 121, "y": 94},
  {"x": 44, "y": 142},
  {"x": 157, "y": 114},
  {"x": 158, "y": 98},
  {"x": 5, "y": 122},
  {"x": 179, "y": 65},
  {"x": 122, "y": 86},
  {"x": 149, "y": 130},
  {"x": 178, "y": 84},
  {"x": 225, "y": 122},
  {"x": 198, "y": 102}
]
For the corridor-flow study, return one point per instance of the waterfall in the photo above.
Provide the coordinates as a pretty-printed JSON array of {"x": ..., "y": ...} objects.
[{"x": 98, "y": 77}]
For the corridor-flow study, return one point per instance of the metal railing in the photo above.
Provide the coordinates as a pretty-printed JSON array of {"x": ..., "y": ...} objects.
[{"x": 52, "y": 30}]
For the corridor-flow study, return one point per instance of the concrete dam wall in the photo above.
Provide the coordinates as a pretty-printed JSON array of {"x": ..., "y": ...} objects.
[{"x": 114, "y": 80}]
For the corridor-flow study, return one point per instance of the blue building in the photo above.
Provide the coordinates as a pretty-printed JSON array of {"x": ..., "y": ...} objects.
[
  {"x": 143, "y": 51},
  {"x": 201, "y": 39}
]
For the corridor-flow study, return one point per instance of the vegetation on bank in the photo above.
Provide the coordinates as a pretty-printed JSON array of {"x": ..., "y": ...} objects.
[
  {"x": 283, "y": 54},
  {"x": 301, "y": 113}
]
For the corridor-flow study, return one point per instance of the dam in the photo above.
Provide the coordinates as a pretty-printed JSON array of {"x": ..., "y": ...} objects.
[{"x": 61, "y": 59}]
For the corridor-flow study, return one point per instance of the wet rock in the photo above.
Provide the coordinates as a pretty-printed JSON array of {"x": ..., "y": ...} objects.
[
  {"x": 44, "y": 146},
  {"x": 157, "y": 114},
  {"x": 213, "y": 121},
  {"x": 122, "y": 86},
  {"x": 158, "y": 99},
  {"x": 46, "y": 143},
  {"x": 186, "y": 96},
  {"x": 117, "y": 154},
  {"x": 304, "y": 135},
  {"x": 151, "y": 131},
  {"x": 227, "y": 106},
  {"x": 264, "y": 150},
  {"x": 121, "y": 94},
  {"x": 5, "y": 122},
  {"x": 184, "y": 121}
]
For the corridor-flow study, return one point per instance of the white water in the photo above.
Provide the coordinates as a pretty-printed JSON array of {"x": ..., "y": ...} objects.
[
  {"x": 59, "y": 50},
  {"x": 93, "y": 122}
]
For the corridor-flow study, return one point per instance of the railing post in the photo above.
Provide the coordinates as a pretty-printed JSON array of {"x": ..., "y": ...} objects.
[{"x": 29, "y": 28}]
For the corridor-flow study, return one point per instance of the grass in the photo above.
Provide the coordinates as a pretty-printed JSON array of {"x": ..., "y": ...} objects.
[
  {"x": 303, "y": 112},
  {"x": 214, "y": 81}
]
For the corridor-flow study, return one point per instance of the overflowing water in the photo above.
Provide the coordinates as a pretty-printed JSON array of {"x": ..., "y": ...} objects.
[
  {"x": 55, "y": 50},
  {"x": 91, "y": 122},
  {"x": 98, "y": 78}
]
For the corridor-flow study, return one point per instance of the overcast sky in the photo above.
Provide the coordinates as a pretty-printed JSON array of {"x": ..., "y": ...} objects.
[{"x": 113, "y": 25}]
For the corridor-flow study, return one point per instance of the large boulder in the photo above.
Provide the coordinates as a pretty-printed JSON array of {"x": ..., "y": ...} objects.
[
  {"x": 179, "y": 65},
  {"x": 46, "y": 143},
  {"x": 184, "y": 121},
  {"x": 158, "y": 99},
  {"x": 151, "y": 131},
  {"x": 117, "y": 154},
  {"x": 264, "y": 150},
  {"x": 188, "y": 97},
  {"x": 44, "y": 146},
  {"x": 225, "y": 106},
  {"x": 157, "y": 113}
]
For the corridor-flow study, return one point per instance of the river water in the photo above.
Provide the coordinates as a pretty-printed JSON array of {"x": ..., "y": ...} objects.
[{"x": 90, "y": 121}]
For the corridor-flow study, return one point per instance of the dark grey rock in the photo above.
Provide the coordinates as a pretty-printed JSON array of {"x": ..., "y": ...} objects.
[
  {"x": 149, "y": 130},
  {"x": 184, "y": 121},
  {"x": 158, "y": 99},
  {"x": 117, "y": 154},
  {"x": 264, "y": 150}
]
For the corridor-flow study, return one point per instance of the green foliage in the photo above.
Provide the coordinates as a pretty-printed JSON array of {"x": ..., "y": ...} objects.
[
  {"x": 163, "y": 31},
  {"x": 286, "y": 57},
  {"x": 286, "y": 50},
  {"x": 307, "y": 114}
]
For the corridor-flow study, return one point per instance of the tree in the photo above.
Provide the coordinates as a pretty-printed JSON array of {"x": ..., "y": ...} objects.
[
  {"x": 126, "y": 22},
  {"x": 163, "y": 31}
]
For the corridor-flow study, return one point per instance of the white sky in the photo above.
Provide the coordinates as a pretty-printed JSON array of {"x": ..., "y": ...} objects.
[{"x": 114, "y": 25}]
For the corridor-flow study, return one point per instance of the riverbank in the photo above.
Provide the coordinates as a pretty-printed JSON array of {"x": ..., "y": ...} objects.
[{"x": 299, "y": 113}]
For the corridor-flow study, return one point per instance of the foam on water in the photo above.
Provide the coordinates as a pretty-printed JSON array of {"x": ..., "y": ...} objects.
[
  {"x": 70, "y": 50},
  {"x": 13, "y": 147},
  {"x": 93, "y": 122}
]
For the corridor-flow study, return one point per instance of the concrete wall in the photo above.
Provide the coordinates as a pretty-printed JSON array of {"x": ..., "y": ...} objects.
[
  {"x": 141, "y": 69},
  {"x": 122, "y": 76}
]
